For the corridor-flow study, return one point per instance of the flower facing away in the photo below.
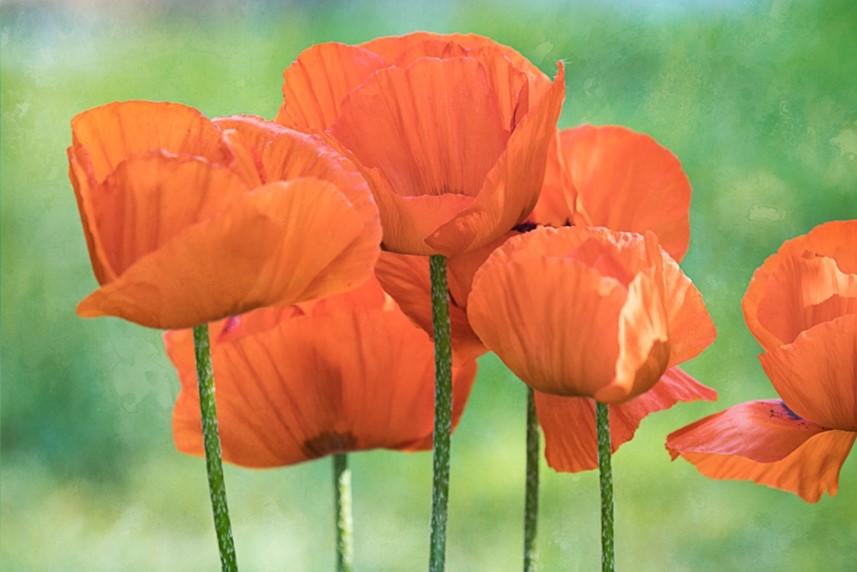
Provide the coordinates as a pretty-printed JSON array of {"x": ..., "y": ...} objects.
[
  {"x": 189, "y": 220},
  {"x": 451, "y": 131},
  {"x": 294, "y": 383},
  {"x": 802, "y": 307},
  {"x": 614, "y": 177},
  {"x": 580, "y": 314}
]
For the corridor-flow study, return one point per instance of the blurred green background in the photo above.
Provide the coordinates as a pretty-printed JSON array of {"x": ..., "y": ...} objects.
[{"x": 759, "y": 100}]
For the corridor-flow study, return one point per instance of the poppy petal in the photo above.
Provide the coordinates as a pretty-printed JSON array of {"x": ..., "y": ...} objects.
[
  {"x": 273, "y": 247},
  {"x": 816, "y": 375},
  {"x": 83, "y": 193},
  {"x": 432, "y": 128},
  {"x": 105, "y": 136},
  {"x": 511, "y": 189},
  {"x": 317, "y": 82},
  {"x": 375, "y": 391},
  {"x": 691, "y": 329},
  {"x": 247, "y": 136},
  {"x": 291, "y": 154},
  {"x": 836, "y": 240},
  {"x": 765, "y": 442},
  {"x": 568, "y": 423},
  {"x": 556, "y": 201},
  {"x": 149, "y": 200},
  {"x": 626, "y": 180}
]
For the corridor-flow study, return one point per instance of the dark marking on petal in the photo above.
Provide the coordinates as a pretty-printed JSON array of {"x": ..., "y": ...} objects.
[{"x": 328, "y": 443}]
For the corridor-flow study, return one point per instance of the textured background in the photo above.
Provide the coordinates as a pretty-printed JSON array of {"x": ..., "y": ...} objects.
[{"x": 757, "y": 99}]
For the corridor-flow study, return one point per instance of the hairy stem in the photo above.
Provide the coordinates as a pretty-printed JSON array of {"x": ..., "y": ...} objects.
[
  {"x": 602, "y": 422},
  {"x": 531, "y": 494},
  {"x": 442, "y": 412},
  {"x": 211, "y": 441},
  {"x": 342, "y": 506}
]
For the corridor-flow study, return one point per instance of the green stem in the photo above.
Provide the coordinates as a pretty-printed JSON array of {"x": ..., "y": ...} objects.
[
  {"x": 211, "y": 440},
  {"x": 531, "y": 494},
  {"x": 342, "y": 506},
  {"x": 442, "y": 412},
  {"x": 602, "y": 422}
]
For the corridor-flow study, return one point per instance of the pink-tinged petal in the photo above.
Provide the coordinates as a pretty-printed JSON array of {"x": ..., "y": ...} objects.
[
  {"x": 816, "y": 375},
  {"x": 765, "y": 442}
]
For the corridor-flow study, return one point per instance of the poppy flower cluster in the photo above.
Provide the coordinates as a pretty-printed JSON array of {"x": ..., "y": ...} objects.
[{"x": 412, "y": 206}]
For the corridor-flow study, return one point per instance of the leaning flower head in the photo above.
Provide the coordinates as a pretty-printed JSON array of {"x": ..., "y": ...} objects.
[
  {"x": 582, "y": 312},
  {"x": 452, "y": 131},
  {"x": 189, "y": 220},
  {"x": 802, "y": 307},
  {"x": 346, "y": 373}
]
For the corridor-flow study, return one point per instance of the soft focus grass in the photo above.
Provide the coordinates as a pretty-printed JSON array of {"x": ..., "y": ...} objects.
[{"x": 756, "y": 99}]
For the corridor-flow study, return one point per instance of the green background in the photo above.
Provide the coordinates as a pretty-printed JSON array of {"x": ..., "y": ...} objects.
[{"x": 759, "y": 100}]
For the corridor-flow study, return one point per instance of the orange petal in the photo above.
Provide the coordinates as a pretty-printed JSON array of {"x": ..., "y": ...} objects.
[
  {"x": 511, "y": 189},
  {"x": 627, "y": 181},
  {"x": 107, "y": 135},
  {"x": 690, "y": 327},
  {"x": 83, "y": 194},
  {"x": 765, "y": 442},
  {"x": 147, "y": 201},
  {"x": 432, "y": 128},
  {"x": 292, "y": 154},
  {"x": 273, "y": 247},
  {"x": 817, "y": 374},
  {"x": 372, "y": 377},
  {"x": 556, "y": 200},
  {"x": 315, "y": 85},
  {"x": 568, "y": 423},
  {"x": 796, "y": 277},
  {"x": 247, "y": 136}
]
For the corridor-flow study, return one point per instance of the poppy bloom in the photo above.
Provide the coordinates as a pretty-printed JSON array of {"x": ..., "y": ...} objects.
[
  {"x": 614, "y": 177},
  {"x": 346, "y": 373},
  {"x": 189, "y": 220},
  {"x": 802, "y": 307},
  {"x": 451, "y": 131},
  {"x": 580, "y": 314}
]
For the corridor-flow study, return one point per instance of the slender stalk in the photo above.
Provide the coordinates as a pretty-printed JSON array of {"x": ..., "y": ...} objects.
[
  {"x": 602, "y": 422},
  {"x": 531, "y": 494},
  {"x": 211, "y": 441},
  {"x": 342, "y": 506},
  {"x": 442, "y": 412}
]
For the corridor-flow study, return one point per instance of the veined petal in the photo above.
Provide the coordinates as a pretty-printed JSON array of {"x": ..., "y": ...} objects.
[
  {"x": 149, "y": 200},
  {"x": 105, "y": 136},
  {"x": 371, "y": 373},
  {"x": 625, "y": 180},
  {"x": 83, "y": 194},
  {"x": 556, "y": 200},
  {"x": 432, "y": 128},
  {"x": 315, "y": 85},
  {"x": 765, "y": 442},
  {"x": 247, "y": 136},
  {"x": 816, "y": 375},
  {"x": 274, "y": 247},
  {"x": 511, "y": 189},
  {"x": 568, "y": 423}
]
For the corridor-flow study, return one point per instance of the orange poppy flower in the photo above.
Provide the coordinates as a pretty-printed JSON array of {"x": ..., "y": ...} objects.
[
  {"x": 614, "y": 177},
  {"x": 452, "y": 131},
  {"x": 580, "y": 313},
  {"x": 802, "y": 307},
  {"x": 189, "y": 220},
  {"x": 346, "y": 373}
]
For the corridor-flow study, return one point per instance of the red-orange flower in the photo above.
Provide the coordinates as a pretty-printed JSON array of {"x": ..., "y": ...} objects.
[
  {"x": 452, "y": 131},
  {"x": 581, "y": 313},
  {"x": 189, "y": 220},
  {"x": 802, "y": 307},
  {"x": 614, "y": 177},
  {"x": 346, "y": 373}
]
